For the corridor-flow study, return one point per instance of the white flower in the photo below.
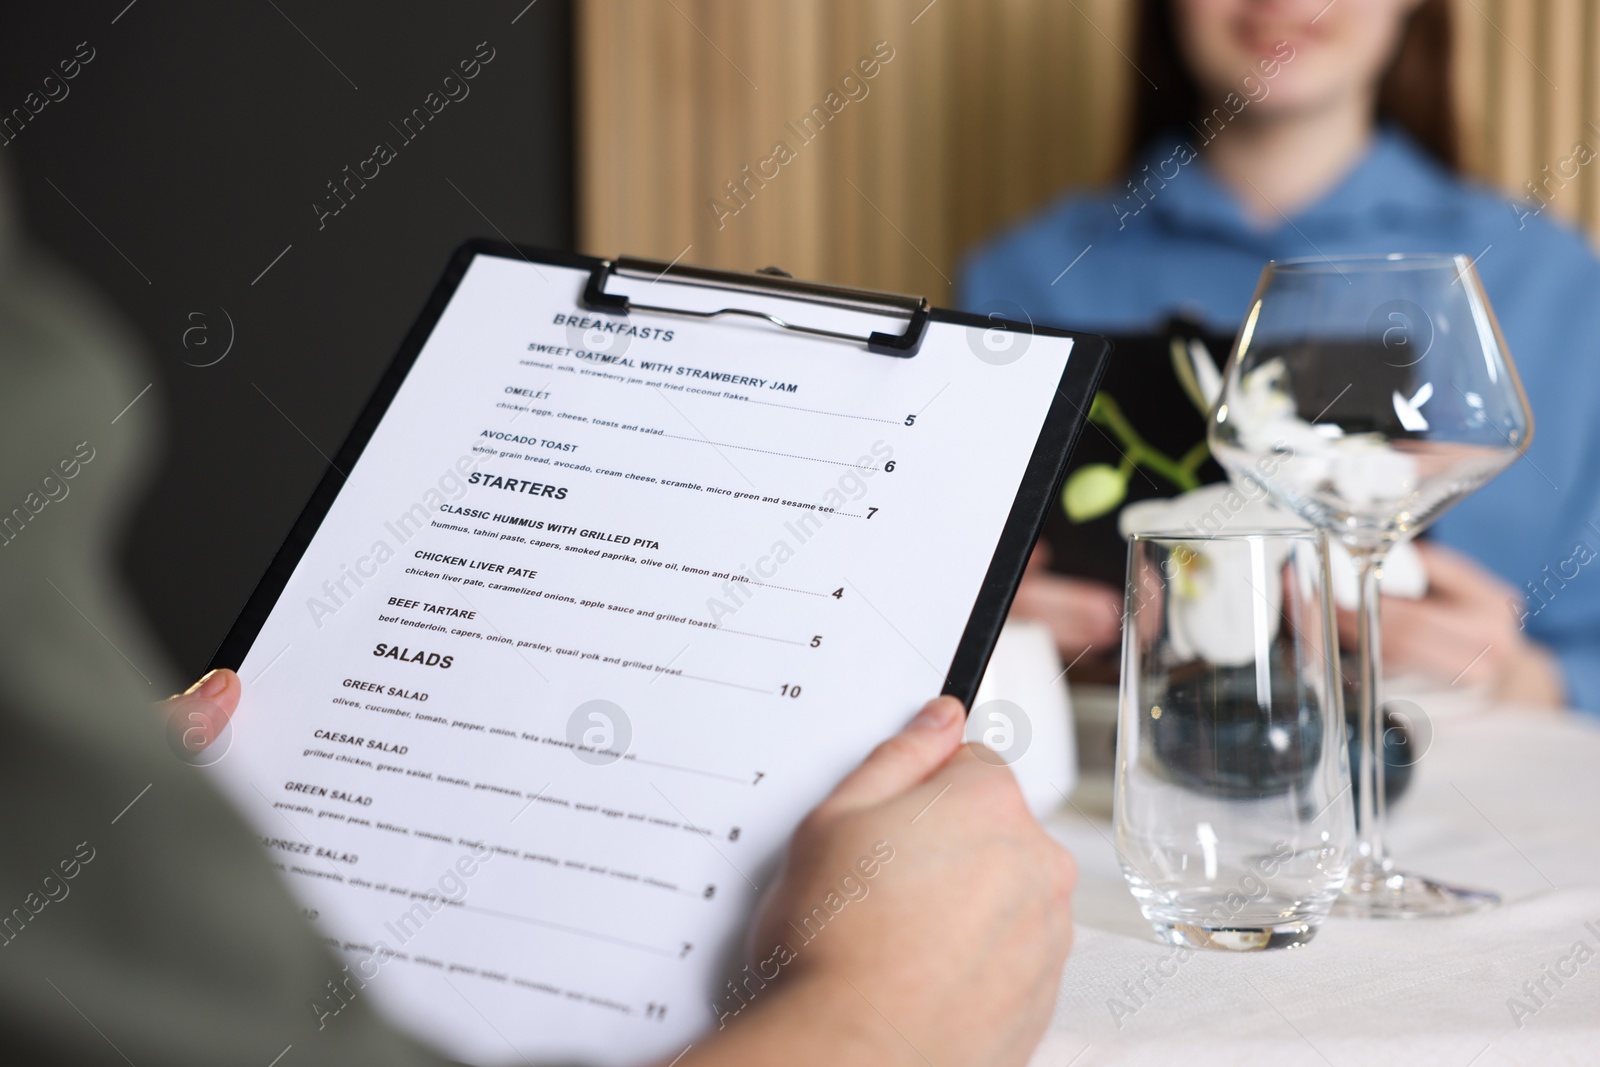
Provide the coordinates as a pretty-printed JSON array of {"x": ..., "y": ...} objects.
[
  {"x": 1221, "y": 508},
  {"x": 1362, "y": 470},
  {"x": 1368, "y": 471},
  {"x": 1269, "y": 424}
]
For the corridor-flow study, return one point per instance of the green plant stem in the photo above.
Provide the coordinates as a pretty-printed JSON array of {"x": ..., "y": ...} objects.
[
  {"x": 1195, "y": 456},
  {"x": 1136, "y": 448}
]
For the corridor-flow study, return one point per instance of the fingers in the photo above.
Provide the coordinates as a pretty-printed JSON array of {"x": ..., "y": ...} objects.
[
  {"x": 989, "y": 792},
  {"x": 1070, "y": 595},
  {"x": 903, "y": 761},
  {"x": 1460, "y": 576},
  {"x": 1453, "y": 640},
  {"x": 975, "y": 765},
  {"x": 1465, "y": 604},
  {"x": 1424, "y": 637},
  {"x": 1079, "y": 613}
]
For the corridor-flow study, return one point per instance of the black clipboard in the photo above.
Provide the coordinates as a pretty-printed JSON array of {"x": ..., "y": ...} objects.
[{"x": 1036, "y": 496}]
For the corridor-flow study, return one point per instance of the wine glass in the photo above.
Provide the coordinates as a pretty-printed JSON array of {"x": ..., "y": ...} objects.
[{"x": 1368, "y": 394}]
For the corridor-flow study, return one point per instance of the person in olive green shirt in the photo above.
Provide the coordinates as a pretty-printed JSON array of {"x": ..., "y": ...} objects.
[{"x": 141, "y": 923}]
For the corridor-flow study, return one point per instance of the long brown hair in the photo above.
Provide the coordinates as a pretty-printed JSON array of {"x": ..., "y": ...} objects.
[{"x": 1415, "y": 92}]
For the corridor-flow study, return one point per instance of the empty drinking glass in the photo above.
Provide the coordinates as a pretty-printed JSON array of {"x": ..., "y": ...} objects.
[{"x": 1233, "y": 815}]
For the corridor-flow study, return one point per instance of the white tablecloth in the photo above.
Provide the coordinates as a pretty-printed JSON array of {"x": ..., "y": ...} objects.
[{"x": 1505, "y": 801}]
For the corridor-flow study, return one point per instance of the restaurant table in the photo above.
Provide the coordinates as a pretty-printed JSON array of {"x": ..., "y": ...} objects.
[{"x": 1504, "y": 800}]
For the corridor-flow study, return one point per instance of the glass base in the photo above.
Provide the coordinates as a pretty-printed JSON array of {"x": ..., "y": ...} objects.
[
  {"x": 1381, "y": 892},
  {"x": 1235, "y": 938}
]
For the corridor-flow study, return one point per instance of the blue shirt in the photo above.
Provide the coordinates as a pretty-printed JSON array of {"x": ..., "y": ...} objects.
[{"x": 1112, "y": 261}]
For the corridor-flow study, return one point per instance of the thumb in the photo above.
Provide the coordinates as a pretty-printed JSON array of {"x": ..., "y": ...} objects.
[
  {"x": 197, "y": 715},
  {"x": 905, "y": 760}
]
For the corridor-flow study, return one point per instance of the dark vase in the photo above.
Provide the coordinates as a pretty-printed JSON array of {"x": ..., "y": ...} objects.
[{"x": 1214, "y": 737}]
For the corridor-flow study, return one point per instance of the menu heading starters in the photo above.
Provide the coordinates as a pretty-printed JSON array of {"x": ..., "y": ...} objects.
[{"x": 517, "y": 485}]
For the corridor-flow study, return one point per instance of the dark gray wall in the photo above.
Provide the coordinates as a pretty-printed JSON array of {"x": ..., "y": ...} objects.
[{"x": 198, "y": 140}]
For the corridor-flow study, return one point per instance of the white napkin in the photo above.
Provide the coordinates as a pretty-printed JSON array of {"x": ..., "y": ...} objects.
[{"x": 1025, "y": 690}]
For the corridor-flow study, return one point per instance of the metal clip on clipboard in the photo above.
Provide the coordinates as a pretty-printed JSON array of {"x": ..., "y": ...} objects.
[{"x": 914, "y": 309}]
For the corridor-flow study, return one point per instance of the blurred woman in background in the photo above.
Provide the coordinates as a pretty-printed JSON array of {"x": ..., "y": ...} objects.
[{"x": 1276, "y": 129}]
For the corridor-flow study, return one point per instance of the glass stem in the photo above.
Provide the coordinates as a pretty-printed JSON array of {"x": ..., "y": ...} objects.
[{"x": 1370, "y": 812}]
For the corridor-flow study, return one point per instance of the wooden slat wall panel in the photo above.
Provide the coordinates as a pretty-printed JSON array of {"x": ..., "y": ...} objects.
[
  {"x": 1475, "y": 86},
  {"x": 989, "y": 109},
  {"x": 1590, "y": 133},
  {"x": 1515, "y": 131},
  {"x": 1562, "y": 99}
]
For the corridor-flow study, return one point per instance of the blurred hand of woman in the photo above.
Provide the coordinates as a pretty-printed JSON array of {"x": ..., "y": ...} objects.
[
  {"x": 1083, "y": 616},
  {"x": 1464, "y": 632}
]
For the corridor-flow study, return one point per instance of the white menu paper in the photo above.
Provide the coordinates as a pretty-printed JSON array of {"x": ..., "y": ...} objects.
[{"x": 604, "y": 607}]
